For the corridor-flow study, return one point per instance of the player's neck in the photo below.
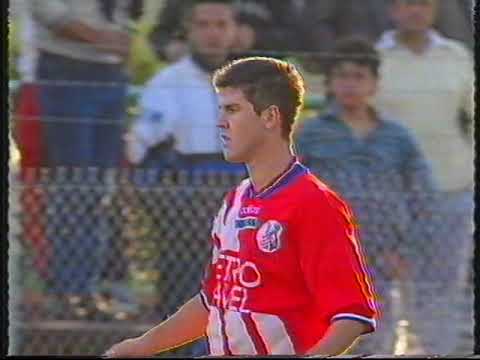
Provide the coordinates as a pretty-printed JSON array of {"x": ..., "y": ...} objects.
[{"x": 268, "y": 165}]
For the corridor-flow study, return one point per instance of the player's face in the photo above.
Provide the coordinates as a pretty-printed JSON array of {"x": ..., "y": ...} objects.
[
  {"x": 241, "y": 129},
  {"x": 352, "y": 84},
  {"x": 212, "y": 29},
  {"x": 414, "y": 15}
]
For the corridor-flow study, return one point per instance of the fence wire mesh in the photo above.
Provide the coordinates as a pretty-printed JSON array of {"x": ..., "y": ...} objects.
[
  {"x": 98, "y": 256},
  {"x": 100, "y": 248}
]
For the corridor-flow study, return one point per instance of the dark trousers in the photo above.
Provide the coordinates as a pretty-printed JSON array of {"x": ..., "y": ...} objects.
[{"x": 83, "y": 110}]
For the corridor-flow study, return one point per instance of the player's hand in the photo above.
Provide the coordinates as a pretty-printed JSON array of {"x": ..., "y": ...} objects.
[{"x": 135, "y": 347}]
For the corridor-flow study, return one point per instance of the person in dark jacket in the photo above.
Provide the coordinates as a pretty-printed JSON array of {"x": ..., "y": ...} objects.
[{"x": 279, "y": 25}]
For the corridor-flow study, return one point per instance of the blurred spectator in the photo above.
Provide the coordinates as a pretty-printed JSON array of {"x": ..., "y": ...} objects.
[
  {"x": 280, "y": 25},
  {"x": 27, "y": 133},
  {"x": 177, "y": 129},
  {"x": 168, "y": 35},
  {"x": 178, "y": 106},
  {"x": 81, "y": 50},
  {"x": 28, "y": 136},
  {"x": 253, "y": 20},
  {"x": 376, "y": 165},
  {"x": 329, "y": 20},
  {"x": 287, "y": 29},
  {"x": 427, "y": 85}
]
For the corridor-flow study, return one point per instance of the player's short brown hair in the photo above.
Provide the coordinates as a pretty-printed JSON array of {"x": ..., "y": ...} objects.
[{"x": 265, "y": 82}]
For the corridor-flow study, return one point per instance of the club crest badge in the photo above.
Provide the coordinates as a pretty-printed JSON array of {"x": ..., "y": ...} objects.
[{"x": 269, "y": 236}]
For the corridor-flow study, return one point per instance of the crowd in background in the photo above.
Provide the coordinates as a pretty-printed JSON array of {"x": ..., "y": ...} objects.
[{"x": 393, "y": 137}]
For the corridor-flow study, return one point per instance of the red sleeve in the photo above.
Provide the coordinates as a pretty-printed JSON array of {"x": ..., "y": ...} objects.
[{"x": 333, "y": 262}]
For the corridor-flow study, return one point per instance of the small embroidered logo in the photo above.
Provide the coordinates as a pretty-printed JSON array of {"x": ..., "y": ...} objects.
[{"x": 269, "y": 236}]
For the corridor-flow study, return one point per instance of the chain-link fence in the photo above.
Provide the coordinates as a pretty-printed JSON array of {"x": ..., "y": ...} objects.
[
  {"x": 98, "y": 256},
  {"x": 97, "y": 249}
]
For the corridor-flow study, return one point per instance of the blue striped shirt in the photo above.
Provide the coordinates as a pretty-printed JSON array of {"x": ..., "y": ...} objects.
[{"x": 384, "y": 177}]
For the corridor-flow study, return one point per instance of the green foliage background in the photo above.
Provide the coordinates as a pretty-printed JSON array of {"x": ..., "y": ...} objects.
[{"x": 13, "y": 49}]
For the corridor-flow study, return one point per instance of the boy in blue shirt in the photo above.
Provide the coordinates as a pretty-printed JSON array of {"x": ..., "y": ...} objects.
[{"x": 377, "y": 166}]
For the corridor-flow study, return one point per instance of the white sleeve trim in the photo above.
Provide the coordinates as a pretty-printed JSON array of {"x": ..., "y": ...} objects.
[
  {"x": 204, "y": 300},
  {"x": 351, "y": 316}
]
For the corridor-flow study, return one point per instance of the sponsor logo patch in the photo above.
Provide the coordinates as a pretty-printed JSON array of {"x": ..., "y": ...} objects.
[
  {"x": 247, "y": 223},
  {"x": 249, "y": 211},
  {"x": 269, "y": 236}
]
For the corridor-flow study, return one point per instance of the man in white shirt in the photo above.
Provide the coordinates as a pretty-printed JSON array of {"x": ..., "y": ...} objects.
[
  {"x": 177, "y": 129},
  {"x": 76, "y": 61},
  {"x": 179, "y": 104},
  {"x": 427, "y": 82}
]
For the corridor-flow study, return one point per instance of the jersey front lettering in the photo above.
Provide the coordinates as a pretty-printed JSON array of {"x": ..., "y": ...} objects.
[{"x": 269, "y": 286}]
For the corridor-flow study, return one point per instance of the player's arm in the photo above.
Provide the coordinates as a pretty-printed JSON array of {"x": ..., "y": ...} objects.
[
  {"x": 339, "y": 337},
  {"x": 187, "y": 324},
  {"x": 334, "y": 268}
]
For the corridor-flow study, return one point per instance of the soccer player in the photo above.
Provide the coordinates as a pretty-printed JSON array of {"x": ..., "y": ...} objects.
[{"x": 287, "y": 274}]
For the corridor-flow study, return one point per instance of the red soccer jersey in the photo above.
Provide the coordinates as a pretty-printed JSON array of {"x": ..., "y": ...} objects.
[{"x": 286, "y": 262}]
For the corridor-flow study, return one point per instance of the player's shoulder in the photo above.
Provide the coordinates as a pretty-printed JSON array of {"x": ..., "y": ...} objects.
[{"x": 313, "y": 193}]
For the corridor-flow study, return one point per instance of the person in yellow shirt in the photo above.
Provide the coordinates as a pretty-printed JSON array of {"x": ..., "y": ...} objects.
[{"x": 427, "y": 83}]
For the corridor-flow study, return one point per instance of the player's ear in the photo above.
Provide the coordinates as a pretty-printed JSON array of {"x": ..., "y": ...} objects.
[{"x": 271, "y": 117}]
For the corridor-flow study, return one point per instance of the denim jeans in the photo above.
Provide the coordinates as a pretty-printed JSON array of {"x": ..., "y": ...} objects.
[
  {"x": 83, "y": 109},
  {"x": 438, "y": 305}
]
